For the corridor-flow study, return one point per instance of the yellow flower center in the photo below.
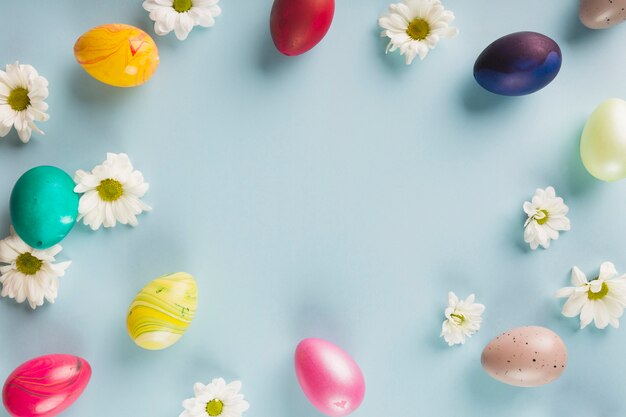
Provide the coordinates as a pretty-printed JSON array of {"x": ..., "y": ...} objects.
[
  {"x": 182, "y": 6},
  {"x": 604, "y": 290},
  {"x": 418, "y": 29},
  {"x": 110, "y": 190},
  {"x": 18, "y": 99},
  {"x": 458, "y": 319},
  {"x": 214, "y": 407},
  {"x": 541, "y": 216},
  {"x": 28, "y": 264}
]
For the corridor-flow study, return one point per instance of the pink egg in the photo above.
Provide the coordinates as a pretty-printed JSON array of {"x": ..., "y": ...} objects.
[
  {"x": 298, "y": 25},
  {"x": 329, "y": 377},
  {"x": 45, "y": 386}
]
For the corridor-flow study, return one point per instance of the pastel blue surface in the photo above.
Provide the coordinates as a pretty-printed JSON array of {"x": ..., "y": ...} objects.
[{"x": 339, "y": 194}]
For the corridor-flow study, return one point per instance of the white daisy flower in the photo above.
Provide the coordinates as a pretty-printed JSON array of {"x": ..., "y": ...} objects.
[
  {"x": 215, "y": 399},
  {"x": 415, "y": 27},
  {"x": 546, "y": 217},
  {"x": 181, "y": 15},
  {"x": 463, "y": 318},
  {"x": 112, "y": 193},
  {"x": 22, "y": 95},
  {"x": 31, "y": 274},
  {"x": 601, "y": 300}
]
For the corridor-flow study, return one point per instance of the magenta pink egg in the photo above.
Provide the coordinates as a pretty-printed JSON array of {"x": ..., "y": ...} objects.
[
  {"x": 298, "y": 25},
  {"x": 329, "y": 377},
  {"x": 45, "y": 386}
]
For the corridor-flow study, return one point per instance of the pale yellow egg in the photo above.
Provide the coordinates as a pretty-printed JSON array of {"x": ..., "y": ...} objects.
[{"x": 603, "y": 142}]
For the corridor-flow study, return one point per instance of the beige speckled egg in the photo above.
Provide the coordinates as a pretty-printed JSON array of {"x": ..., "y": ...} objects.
[
  {"x": 525, "y": 357},
  {"x": 602, "y": 14}
]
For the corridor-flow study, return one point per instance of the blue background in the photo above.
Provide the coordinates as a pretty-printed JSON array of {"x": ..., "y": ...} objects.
[{"x": 339, "y": 194}]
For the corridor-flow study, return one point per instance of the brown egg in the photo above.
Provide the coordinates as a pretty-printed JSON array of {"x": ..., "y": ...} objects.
[
  {"x": 602, "y": 14},
  {"x": 525, "y": 356}
]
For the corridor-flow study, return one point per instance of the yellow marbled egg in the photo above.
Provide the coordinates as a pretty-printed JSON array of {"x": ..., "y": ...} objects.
[
  {"x": 117, "y": 54},
  {"x": 162, "y": 311}
]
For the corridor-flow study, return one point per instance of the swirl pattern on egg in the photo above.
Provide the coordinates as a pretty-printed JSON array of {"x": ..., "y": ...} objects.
[
  {"x": 45, "y": 386},
  {"x": 117, "y": 54},
  {"x": 162, "y": 311}
]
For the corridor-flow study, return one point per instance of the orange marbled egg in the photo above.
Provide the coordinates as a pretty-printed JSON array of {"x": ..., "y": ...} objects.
[{"x": 117, "y": 54}]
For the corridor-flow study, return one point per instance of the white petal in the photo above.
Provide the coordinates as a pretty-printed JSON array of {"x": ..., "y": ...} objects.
[
  {"x": 607, "y": 270},
  {"x": 586, "y": 315},
  {"x": 453, "y": 300},
  {"x": 574, "y": 305},
  {"x": 578, "y": 278},
  {"x": 183, "y": 26}
]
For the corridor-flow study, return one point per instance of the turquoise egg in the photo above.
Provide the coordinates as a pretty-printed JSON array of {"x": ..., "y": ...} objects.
[{"x": 43, "y": 206}]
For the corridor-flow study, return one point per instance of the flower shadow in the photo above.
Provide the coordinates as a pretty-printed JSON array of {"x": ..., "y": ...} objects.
[
  {"x": 46, "y": 334},
  {"x": 516, "y": 232},
  {"x": 429, "y": 337},
  {"x": 394, "y": 62},
  {"x": 14, "y": 141}
]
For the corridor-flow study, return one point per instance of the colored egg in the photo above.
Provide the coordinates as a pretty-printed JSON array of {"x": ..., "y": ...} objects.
[
  {"x": 162, "y": 311},
  {"x": 329, "y": 377},
  {"x": 118, "y": 55},
  {"x": 603, "y": 142},
  {"x": 298, "y": 25},
  {"x": 45, "y": 386},
  {"x": 525, "y": 357},
  {"x": 518, "y": 64},
  {"x": 43, "y": 206},
  {"x": 602, "y": 14}
]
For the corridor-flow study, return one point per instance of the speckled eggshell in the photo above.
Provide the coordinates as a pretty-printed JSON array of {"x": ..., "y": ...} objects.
[
  {"x": 602, "y": 14},
  {"x": 525, "y": 357}
]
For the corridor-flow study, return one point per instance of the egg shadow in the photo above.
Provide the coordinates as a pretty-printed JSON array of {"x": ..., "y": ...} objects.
[
  {"x": 6, "y": 220},
  {"x": 483, "y": 389},
  {"x": 576, "y": 32},
  {"x": 269, "y": 60},
  {"x": 476, "y": 99},
  {"x": 88, "y": 91},
  {"x": 314, "y": 321},
  {"x": 293, "y": 401},
  {"x": 579, "y": 181}
]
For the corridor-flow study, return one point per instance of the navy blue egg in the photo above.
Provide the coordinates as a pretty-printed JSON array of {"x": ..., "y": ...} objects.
[{"x": 518, "y": 64}]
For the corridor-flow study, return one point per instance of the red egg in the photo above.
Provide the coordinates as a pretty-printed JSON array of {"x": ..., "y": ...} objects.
[{"x": 299, "y": 25}]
